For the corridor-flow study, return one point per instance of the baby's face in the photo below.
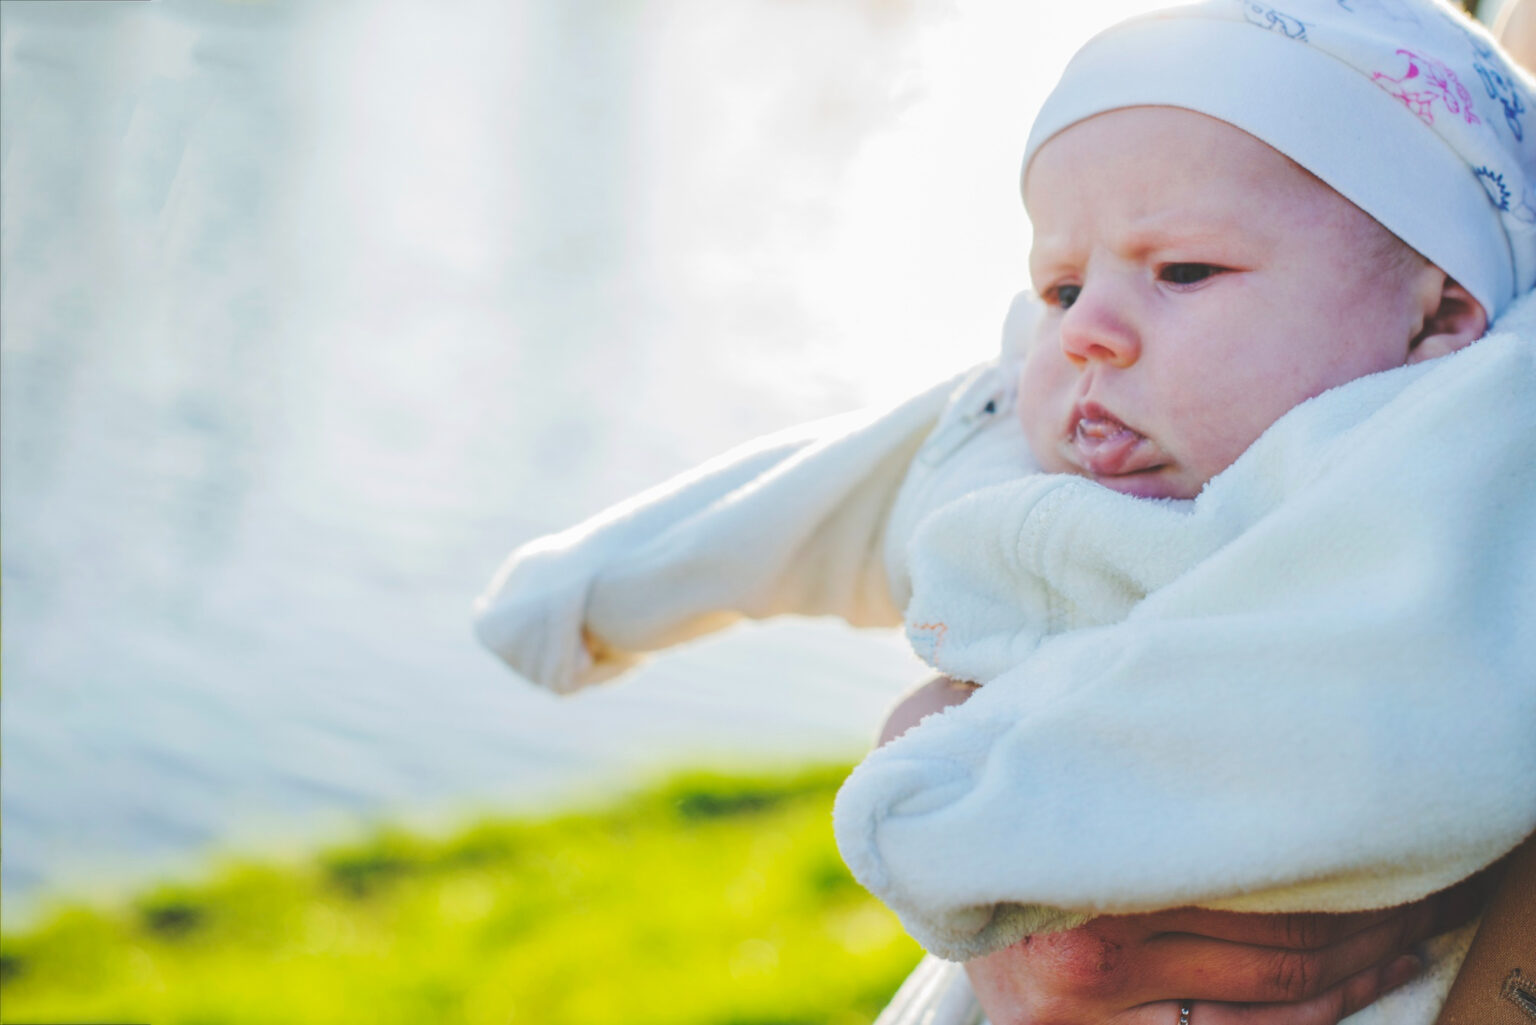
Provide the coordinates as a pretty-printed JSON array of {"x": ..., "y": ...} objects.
[{"x": 1198, "y": 285}]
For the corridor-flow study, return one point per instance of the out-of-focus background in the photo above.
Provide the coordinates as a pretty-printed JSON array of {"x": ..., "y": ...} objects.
[{"x": 312, "y": 311}]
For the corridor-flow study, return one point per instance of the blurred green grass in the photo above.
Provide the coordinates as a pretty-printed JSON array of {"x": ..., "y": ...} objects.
[{"x": 709, "y": 900}]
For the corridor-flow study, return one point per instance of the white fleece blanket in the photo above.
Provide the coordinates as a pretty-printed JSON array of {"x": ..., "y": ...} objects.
[{"x": 1313, "y": 687}]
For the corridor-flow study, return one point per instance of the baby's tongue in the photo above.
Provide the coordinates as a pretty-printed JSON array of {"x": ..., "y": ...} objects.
[{"x": 1105, "y": 445}]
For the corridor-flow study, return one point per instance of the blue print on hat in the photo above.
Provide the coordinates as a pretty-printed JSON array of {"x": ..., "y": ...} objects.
[
  {"x": 1525, "y": 213},
  {"x": 1268, "y": 17},
  {"x": 1502, "y": 89},
  {"x": 1498, "y": 192}
]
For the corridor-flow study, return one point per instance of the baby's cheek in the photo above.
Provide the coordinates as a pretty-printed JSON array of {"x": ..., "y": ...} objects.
[
  {"x": 1212, "y": 444},
  {"x": 1045, "y": 389}
]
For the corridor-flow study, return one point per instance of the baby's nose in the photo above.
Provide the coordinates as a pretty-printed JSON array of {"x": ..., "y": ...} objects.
[{"x": 1094, "y": 331}]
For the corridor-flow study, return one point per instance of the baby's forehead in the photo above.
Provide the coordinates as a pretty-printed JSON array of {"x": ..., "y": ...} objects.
[{"x": 1168, "y": 170}]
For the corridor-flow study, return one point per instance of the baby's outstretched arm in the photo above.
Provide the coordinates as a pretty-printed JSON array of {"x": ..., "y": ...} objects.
[{"x": 788, "y": 524}]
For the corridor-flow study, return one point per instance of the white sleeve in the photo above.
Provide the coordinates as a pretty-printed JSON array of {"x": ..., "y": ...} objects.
[{"x": 792, "y": 523}]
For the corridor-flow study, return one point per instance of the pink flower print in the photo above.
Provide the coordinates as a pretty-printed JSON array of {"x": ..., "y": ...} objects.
[{"x": 1426, "y": 83}]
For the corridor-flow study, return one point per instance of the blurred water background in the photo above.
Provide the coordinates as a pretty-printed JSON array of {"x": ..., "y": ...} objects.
[{"x": 311, "y": 311}]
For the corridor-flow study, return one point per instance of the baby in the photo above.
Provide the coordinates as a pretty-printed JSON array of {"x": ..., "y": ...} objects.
[{"x": 1256, "y": 233}]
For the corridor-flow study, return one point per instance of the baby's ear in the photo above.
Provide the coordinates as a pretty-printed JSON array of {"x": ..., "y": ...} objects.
[{"x": 1455, "y": 322}]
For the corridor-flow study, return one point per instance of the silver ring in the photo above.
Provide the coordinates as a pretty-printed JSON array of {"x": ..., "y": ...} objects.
[{"x": 1184, "y": 1012}]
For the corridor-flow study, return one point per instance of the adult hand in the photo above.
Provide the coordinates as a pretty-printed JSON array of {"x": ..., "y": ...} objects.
[
  {"x": 1230, "y": 969},
  {"x": 933, "y": 696}
]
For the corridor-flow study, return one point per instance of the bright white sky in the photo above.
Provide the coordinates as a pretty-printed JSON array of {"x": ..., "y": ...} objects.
[
  {"x": 951, "y": 163},
  {"x": 807, "y": 163}
]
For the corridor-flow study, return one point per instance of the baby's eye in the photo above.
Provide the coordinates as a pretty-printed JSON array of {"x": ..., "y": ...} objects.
[
  {"x": 1188, "y": 273},
  {"x": 1062, "y": 296}
]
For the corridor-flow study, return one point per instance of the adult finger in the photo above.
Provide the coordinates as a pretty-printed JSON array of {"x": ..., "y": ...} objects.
[
  {"x": 1300, "y": 931},
  {"x": 1206, "y": 969},
  {"x": 933, "y": 696},
  {"x": 1327, "y": 1008},
  {"x": 1446, "y": 909}
]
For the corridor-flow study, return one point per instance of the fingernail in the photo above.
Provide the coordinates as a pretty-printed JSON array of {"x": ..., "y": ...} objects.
[{"x": 1402, "y": 970}]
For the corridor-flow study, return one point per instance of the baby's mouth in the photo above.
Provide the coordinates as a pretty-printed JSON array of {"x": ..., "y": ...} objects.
[{"x": 1106, "y": 447}]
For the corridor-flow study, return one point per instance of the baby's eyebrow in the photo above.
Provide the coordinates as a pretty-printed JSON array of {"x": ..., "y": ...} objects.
[
  {"x": 1184, "y": 233},
  {"x": 1143, "y": 242},
  {"x": 1159, "y": 230},
  {"x": 1046, "y": 260}
]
